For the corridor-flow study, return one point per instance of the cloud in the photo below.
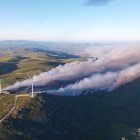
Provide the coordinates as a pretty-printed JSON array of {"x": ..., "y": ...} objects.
[{"x": 97, "y": 2}]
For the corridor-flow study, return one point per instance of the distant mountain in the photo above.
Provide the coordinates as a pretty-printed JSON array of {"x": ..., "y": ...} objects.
[
  {"x": 53, "y": 46},
  {"x": 53, "y": 52}
]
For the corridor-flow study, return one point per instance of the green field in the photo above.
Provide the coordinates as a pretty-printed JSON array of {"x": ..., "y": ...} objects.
[
  {"x": 6, "y": 102},
  {"x": 23, "y": 61},
  {"x": 20, "y": 104}
]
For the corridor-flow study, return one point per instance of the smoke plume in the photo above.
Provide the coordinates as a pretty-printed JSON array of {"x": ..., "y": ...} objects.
[{"x": 114, "y": 67}]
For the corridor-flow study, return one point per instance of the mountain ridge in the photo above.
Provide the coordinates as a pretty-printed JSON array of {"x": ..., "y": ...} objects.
[{"x": 81, "y": 117}]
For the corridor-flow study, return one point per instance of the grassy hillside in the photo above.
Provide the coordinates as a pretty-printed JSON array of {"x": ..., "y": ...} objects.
[
  {"x": 6, "y": 102},
  {"x": 98, "y": 116},
  {"x": 33, "y": 61}
]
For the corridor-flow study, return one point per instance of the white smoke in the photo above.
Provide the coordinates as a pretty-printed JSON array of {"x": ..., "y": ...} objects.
[
  {"x": 115, "y": 66},
  {"x": 106, "y": 81}
]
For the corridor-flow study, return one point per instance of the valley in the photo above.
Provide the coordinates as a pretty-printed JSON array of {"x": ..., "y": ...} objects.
[{"x": 16, "y": 63}]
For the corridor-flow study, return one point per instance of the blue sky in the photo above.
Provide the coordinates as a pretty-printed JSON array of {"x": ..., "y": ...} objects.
[{"x": 69, "y": 20}]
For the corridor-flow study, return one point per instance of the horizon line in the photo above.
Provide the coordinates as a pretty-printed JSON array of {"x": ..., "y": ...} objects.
[{"x": 74, "y": 41}]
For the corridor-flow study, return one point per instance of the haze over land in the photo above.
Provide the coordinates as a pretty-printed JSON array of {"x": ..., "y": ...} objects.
[
  {"x": 105, "y": 68},
  {"x": 91, "y": 114}
]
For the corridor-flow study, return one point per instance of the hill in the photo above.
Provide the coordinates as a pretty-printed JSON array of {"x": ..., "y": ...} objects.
[{"x": 98, "y": 116}]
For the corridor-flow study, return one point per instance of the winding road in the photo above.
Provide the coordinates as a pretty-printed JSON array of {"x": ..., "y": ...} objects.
[{"x": 13, "y": 107}]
